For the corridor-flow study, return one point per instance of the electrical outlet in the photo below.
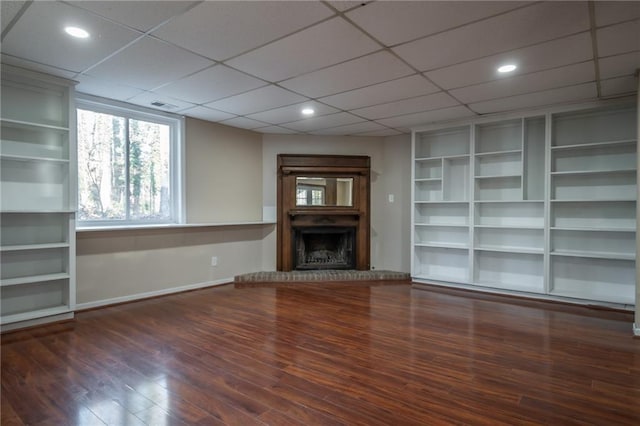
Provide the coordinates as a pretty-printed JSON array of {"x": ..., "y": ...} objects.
[{"x": 214, "y": 261}]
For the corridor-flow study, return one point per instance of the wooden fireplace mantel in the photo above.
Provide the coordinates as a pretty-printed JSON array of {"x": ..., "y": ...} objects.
[{"x": 290, "y": 216}]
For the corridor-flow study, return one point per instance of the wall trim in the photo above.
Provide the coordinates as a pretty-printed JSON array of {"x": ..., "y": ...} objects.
[
  {"x": 636, "y": 329},
  {"x": 149, "y": 294}
]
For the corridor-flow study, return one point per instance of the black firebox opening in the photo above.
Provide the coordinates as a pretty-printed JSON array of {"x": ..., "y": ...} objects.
[{"x": 326, "y": 247}]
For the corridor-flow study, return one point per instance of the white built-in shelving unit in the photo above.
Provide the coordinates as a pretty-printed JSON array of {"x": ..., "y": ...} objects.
[
  {"x": 37, "y": 201},
  {"x": 539, "y": 204}
]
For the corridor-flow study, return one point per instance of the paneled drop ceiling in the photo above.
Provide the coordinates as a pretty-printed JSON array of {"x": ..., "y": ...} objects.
[{"x": 367, "y": 68}]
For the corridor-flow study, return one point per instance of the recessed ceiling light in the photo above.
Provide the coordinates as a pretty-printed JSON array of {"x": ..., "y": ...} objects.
[
  {"x": 507, "y": 68},
  {"x": 76, "y": 32},
  {"x": 308, "y": 111}
]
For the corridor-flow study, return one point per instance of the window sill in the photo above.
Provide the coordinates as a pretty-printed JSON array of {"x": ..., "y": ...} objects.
[{"x": 171, "y": 226}]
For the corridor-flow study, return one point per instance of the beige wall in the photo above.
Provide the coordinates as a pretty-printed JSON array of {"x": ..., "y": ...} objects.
[
  {"x": 390, "y": 162},
  {"x": 223, "y": 184},
  {"x": 230, "y": 175},
  {"x": 115, "y": 266},
  {"x": 396, "y": 181},
  {"x": 223, "y": 173}
]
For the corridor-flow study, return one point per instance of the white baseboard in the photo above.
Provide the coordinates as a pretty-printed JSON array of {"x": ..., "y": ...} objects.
[
  {"x": 140, "y": 296},
  {"x": 36, "y": 321},
  {"x": 421, "y": 283},
  {"x": 636, "y": 329}
]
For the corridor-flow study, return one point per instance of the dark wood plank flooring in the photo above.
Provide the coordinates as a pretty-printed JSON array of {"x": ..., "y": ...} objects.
[{"x": 351, "y": 355}]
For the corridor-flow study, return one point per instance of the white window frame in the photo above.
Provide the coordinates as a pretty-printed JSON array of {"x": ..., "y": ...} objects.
[{"x": 177, "y": 163}]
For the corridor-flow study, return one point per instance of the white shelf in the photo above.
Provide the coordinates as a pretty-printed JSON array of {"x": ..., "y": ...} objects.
[
  {"x": 507, "y": 201},
  {"x": 443, "y": 202},
  {"x": 36, "y": 211},
  {"x": 592, "y": 200},
  {"x": 447, "y": 225},
  {"x": 24, "y": 247},
  {"x": 498, "y": 153},
  {"x": 499, "y": 176},
  {"x": 445, "y": 157},
  {"x": 538, "y": 228},
  {"x": 587, "y": 229},
  {"x": 32, "y": 125},
  {"x": 435, "y": 277},
  {"x": 40, "y": 313},
  {"x": 593, "y": 145},
  {"x": 34, "y": 279},
  {"x": 595, "y": 255},
  {"x": 545, "y": 204},
  {"x": 528, "y": 288},
  {"x": 443, "y": 245},
  {"x": 27, "y": 158},
  {"x": 594, "y": 172},
  {"x": 506, "y": 249},
  {"x": 38, "y": 185},
  {"x": 608, "y": 280}
]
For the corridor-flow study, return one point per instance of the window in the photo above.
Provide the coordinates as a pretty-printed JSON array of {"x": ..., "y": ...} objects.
[
  {"x": 308, "y": 195},
  {"x": 128, "y": 165}
]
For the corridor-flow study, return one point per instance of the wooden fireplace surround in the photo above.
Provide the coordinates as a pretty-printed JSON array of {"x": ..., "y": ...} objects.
[{"x": 290, "y": 216}]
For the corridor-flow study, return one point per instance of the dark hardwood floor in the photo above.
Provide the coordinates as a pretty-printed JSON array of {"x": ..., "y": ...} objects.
[{"x": 350, "y": 355}]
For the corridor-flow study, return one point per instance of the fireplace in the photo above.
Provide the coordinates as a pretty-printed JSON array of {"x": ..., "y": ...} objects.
[
  {"x": 323, "y": 212},
  {"x": 324, "y": 247}
]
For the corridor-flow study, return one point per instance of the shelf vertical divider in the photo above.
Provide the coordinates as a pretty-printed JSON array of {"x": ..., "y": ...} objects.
[
  {"x": 472, "y": 204},
  {"x": 548, "y": 133}
]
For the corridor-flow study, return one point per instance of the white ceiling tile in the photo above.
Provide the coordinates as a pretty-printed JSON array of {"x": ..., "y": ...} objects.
[
  {"x": 422, "y": 118},
  {"x": 292, "y": 112},
  {"x": 277, "y": 130},
  {"x": 350, "y": 129},
  {"x": 564, "y": 76},
  {"x": 343, "y": 5},
  {"x": 105, "y": 88},
  {"x": 243, "y": 123},
  {"x": 10, "y": 10},
  {"x": 394, "y": 23},
  {"x": 320, "y": 46},
  {"x": 389, "y": 91},
  {"x": 618, "y": 86},
  {"x": 171, "y": 105},
  {"x": 386, "y": 132},
  {"x": 141, "y": 15},
  {"x": 39, "y": 36},
  {"x": 326, "y": 121},
  {"x": 408, "y": 106},
  {"x": 615, "y": 66},
  {"x": 580, "y": 92},
  {"x": 35, "y": 66},
  {"x": 568, "y": 50},
  {"x": 621, "y": 38},
  {"x": 149, "y": 63},
  {"x": 612, "y": 12},
  {"x": 519, "y": 28},
  {"x": 204, "y": 113},
  {"x": 211, "y": 84},
  {"x": 370, "y": 69},
  {"x": 223, "y": 29},
  {"x": 262, "y": 99}
]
